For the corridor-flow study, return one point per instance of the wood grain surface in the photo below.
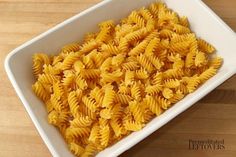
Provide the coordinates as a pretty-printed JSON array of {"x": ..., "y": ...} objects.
[{"x": 214, "y": 117}]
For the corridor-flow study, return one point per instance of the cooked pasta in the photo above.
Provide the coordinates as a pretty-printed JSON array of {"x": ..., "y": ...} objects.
[{"x": 114, "y": 82}]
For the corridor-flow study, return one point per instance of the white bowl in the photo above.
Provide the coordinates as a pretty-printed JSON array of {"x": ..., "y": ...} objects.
[{"x": 204, "y": 22}]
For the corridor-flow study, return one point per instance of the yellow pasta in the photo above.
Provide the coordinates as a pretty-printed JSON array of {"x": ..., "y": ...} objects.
[
  {"x": 145, "y": 63},
  {"x": 216, "y": 62},
  {"x": 136, "y": 111},
  {"x": 73, "y": 47},
  {"x": 124, "y": 99},
  {"x": 109, "y": 96},
  {"x": 129, "y": 77},
  {"x": 153, "y": 105},
  {"x": 73, "y": 102},
  {"x": 133, "y": 126},
  {"x": 146, "y": 14},
  {"x": 94, "y": 134},
  {"x": 141, "y": 74},
  {"x": 152, "y": 45},
  {"x": 121, "y": 77},
  {"x": 117, "y": 127},
  {"x": 76, "y": 149},
  {"x": 89, "y": 103},
  {"x": 40, "y": 91},
  {"x": 137, "y": 19},
  {"x": 81, "y": 122},
  {"x": 205, "y": 46},
  {"x": 104, "y": 135},
  {"x": 167, "y": 93},
  {"x": 39, "y": 60},
  {"x": 200, "y": 59},
  {"x": 136, "y": 91}
]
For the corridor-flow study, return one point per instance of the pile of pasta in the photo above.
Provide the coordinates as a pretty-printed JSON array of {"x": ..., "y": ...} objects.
[{"x": 120, "y": 78}]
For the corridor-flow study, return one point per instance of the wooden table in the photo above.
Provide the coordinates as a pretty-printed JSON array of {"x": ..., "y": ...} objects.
[{"x": 214, "y": 117}]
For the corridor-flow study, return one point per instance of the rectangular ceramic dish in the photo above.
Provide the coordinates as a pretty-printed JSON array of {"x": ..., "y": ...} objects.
[{"x": 204, "y": 22}]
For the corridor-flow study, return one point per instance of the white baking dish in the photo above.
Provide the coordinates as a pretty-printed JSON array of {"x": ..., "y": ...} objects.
[{"x": 203, "y": 22}]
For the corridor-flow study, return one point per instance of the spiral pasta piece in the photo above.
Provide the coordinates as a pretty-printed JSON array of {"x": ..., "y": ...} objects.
[
  {"x": 123, "y": 98},
  {"x": 205, "y": 46},
  {"x": 81, "y": 82},
  {"x": 167, "y": 93},
  {"x": 81, "y": 122},
  {"x": 47, "y": 79},
  {"x": 145, "y": 63},
  {"x": 146, "y": 14},
  {"x": 176, "y": 97},
  {"x": 53, "y": 70},
  {"x": 89, "y": 46},
  {"x": 57, "y": 104},
  {"x": 139, "y": 48},
  {"x": 141, "y": 74},
  {"x": 109, "y": 97},
  {"x": 73, "y": 103},
  {"x": 90, "y": 73},
  {"x": 133, "y": 126},
  {"x": 136, "y": 111},
  {"x": 129, "y": 78},
  {"x": 90, "y": 150},
  {"x": 76, "y": 149},
  {"x": 163, "y": 102},
  {"x": 180, "y": 29},
  {"x": 153, "y": 105},
  {"x": 98, "y": 95},
  {"x": 77, "y": 132},
  {"x": 193, "y": 83},
  {"x": 40, "y": 91},
  {"x": 90, "y": 103},
  {"x": 184, "y": 21},
  {"x": 133, "y": 65},
  {"x": 178, "y": 73},
  {"x": 157, "y": 63},
  {"x": 216, "y": 62},
  {"x": 157, "y": 78},
  {"x": 73, "y": 47},
  {"x": 117, "y": 127},
  {"x": 200, "y": 59},
  {"x": 136, "y": 35},
  {"x": 39, "y": 60},
  {"x": 104, "y": 135},
  {"x": 207, "y": 74},
  {"x": 136, "y": 91},
  {"x": 154, "y": 89},
  {"x": 69, "y": 60},
  {"x": 114, "y": 50},
  {"x": 94, "y": 134},
  {"x": 103, "y": 35},
  {"x": 136, "y": 18},
  {"x": 171, "y": 83}
]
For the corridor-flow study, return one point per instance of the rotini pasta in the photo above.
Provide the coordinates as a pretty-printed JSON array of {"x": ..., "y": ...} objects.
[{"x": 121, "y": 77}]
